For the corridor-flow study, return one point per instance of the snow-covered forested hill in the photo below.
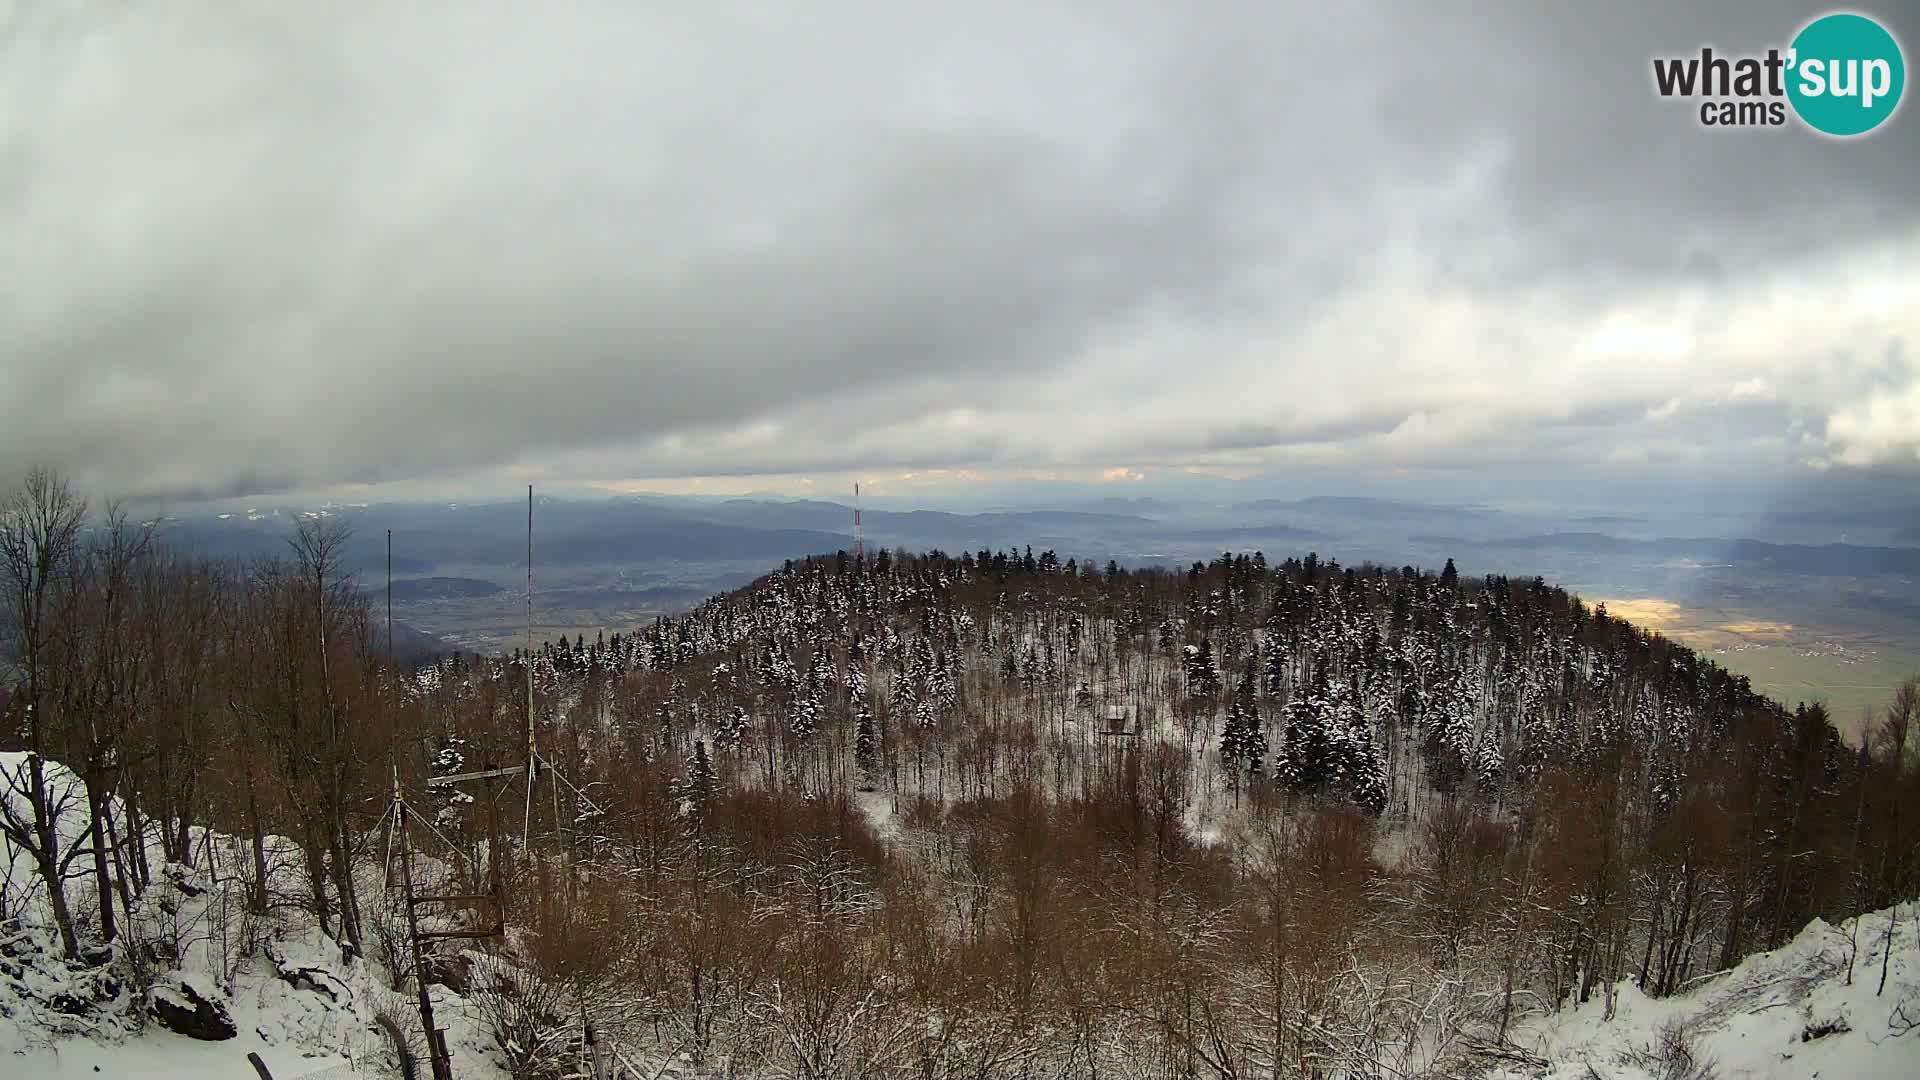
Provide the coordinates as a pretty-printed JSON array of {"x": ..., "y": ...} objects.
[{"x": 985, "y": 815}]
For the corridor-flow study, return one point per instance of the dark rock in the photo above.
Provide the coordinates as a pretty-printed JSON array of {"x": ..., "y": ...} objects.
[
  {"x": 183, "y": 1010},
  {"x": 453, "y": 972},
  {"x": 1823, "y": 1027},
  {"x": 70, "y": 1004},
  {"x": 318, "y": 980},
  {"x": 180, "y": 876}
]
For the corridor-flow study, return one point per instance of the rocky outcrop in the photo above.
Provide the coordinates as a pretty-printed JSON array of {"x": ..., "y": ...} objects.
[{"x": 184, "y": 1010}]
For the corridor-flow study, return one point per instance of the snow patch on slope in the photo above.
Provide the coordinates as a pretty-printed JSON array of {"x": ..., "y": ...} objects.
[{"x": 1790, "y": 1013}]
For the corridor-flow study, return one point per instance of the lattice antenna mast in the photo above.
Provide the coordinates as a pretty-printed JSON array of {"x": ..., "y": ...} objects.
[
  {"x": 535, "y": 763},
  {"x": 859, "y": 533}
]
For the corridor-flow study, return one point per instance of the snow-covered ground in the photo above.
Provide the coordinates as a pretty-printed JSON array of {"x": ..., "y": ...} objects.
[
  {"x": 1790, "y": 1013},
  {"x": 279, "y": 985}
]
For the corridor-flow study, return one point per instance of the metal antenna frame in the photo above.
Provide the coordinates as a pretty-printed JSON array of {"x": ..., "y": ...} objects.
[
  {"x": 401, "y": 815},
  {"x": 859, "y": 532},
  {"x": 399, "y": 819}
]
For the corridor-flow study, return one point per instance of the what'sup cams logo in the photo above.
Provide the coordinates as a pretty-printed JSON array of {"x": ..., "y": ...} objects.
[{"x": 1842, "y": 75}]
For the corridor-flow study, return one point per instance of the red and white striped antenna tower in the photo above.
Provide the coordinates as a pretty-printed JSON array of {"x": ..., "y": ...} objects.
[{"x": 859, "y": 534}]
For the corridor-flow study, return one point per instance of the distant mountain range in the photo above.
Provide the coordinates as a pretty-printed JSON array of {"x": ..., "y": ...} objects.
[
  {"x": 1823, "y": 560},
  {"x": 1249, "y": 533},
  {"x": 566, "y": 534},
  {"x": 1347, "y": 506},
  {"x": 446, "y": 540}
]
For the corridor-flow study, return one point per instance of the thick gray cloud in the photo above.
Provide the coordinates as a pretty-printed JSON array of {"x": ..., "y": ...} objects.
[{"x": 252, "y": 247}]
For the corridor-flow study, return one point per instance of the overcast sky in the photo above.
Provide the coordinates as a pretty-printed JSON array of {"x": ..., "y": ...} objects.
[{"x": 247, "y": 248}]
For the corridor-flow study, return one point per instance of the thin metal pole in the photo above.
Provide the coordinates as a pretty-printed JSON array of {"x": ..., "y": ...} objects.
[
  {"x": 389, "y": 595},
  {"x": 527, "y": 824},
  {"x": 564, "y": 836},
  {"x": 436, "y": 1047}
]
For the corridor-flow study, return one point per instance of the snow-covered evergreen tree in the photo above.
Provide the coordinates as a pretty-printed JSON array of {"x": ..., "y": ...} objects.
[
  {"x": 1203, "y": 675},
  {"x": 1238, "y": 734},
  {"x": 1308, "y": 760}
]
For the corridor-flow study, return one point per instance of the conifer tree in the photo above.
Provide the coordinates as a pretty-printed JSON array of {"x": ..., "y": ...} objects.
[
  {"x": 1203, "y": 676},
  {"x": 866, "y": 745},
  {"x": 1308, "y": 761},
  {"x": 697, "y": 789},
  {"x": 1243, "y": 744}
]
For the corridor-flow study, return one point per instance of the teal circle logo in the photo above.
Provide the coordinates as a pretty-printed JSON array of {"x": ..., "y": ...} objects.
[{"x": 1845, "y": 74}]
